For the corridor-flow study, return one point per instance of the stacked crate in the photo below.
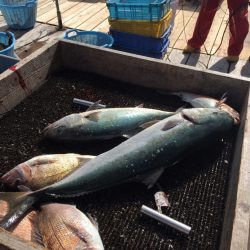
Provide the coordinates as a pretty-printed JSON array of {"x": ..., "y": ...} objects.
[{"x": 140, "y": 26}]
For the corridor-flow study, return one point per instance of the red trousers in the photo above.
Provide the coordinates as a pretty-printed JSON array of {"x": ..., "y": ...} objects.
[{"x": 238, "y": 24}]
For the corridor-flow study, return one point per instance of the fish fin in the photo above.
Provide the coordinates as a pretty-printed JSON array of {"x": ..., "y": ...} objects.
[
  {"x": 180, "y": 109},
  {"x": 75, "y": 230},
  {"x": 140, "y": 106},
  {"x": 221, "y": 101},
  {"x": 36, "y": 234},
  {"x": 18, "y": 204},
  {"x": 93, "y": 116},
  {"x": 85, "y": 158},
  {"x": 190, "y": 118},
  {"x": 94, "y": 106},
  {"x": 171, "y": 124},
  {"x": 93, "y": 221},
  {"x": 23, "y": 188},
  {"x": 224, "y": 95},
  {"x": 150, "y": 179},
  {"x": 148, "y": 124}
]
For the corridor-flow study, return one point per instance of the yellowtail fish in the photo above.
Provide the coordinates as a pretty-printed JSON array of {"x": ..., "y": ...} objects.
[
  {"x": 142, "y": 158},
  {"x": 103, "y": 124},
  {"x": 200, "y": 101}
]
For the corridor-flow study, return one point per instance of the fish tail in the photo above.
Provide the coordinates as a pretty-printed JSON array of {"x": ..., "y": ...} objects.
[{"x": 18, "y": 204}]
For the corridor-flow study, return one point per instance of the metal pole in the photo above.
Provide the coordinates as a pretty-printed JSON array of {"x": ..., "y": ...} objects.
[
  {"x": 59, "y": 17},
  {"x": 166, "y": 220}
]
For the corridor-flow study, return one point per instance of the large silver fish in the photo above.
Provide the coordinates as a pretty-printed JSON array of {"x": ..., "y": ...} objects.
[
  {"x": 102, "y": 124},
  {"x": 143, "y": 157},
  {"x": 200, "y": 101}
]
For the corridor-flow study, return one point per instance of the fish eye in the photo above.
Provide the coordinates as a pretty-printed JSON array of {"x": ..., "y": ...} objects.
[{"x": 17, "y": 181}]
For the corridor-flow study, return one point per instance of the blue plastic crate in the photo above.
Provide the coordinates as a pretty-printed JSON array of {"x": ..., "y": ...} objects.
[
  {"x": 19, "y": 14},
  {"x": 138, "y": 42},
  {"x": 8, "y": 39},
  {"x": 155, "y": 54},
  {"x": 150, "y": 10},
  {"x": 90, "y": 37}
]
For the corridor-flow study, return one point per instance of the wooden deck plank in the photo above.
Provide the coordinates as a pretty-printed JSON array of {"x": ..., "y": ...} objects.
[
  {"x": 178, "y": 25},
  {"x": 42, "y": 2},
  {"x": 218, "y": 64},
  {"x": 103, "y": 26},
  {"x": 49, "y": 15},
  {"x": 216, "y": 28},
  {"x": 85, "y": 14},
  {"x": 241, "y": 68},
  {"x": 176, "y": 56},
  {"x": 73, "y": 12},
  {"x": 199, "y": 61},
  {"x": 95, "y": 20},
  {"x": 49, "y": 6},
  {"x": 188, "y": 27},
  {"x": 35, "y": 34}
]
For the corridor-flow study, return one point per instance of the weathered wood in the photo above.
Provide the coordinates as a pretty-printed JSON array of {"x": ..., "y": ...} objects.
[
  {"x": 95, "y": 20},
  {"x": 188, "y": 11},
  {"x": 73, "y": 12},
  {"x": 216, "y": 29},
  {"x": 237, "y": 211},
  {"x": 29, "y": 74},
  {"x": 103, "y": 27},
  {"x": 85, "y": 14},
  {"x": 218, "y": 64},
  {"x": 9, "y": 241},
  {"x": 176, "y": 56},
  {"x": 148, "y": 73},
  {"x": 241, "y": 68},
  {"x": 199, "y": 61},
  {"x": 188, "y": 27},
  {"x": 34, "y": 35}
]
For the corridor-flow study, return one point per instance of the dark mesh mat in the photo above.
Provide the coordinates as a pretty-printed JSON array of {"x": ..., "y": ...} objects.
[{"x": 196, "y": 186}]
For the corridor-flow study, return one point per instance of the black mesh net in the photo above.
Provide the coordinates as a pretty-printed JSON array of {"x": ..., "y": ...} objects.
[{"x": 196, "y": 187}]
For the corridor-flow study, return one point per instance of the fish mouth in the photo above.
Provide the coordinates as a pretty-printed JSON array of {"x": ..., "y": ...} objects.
[
  {"x": 233, "y": 113},
  {"x": 13, "y": 178},
  {"x": 52, "y": 131}
]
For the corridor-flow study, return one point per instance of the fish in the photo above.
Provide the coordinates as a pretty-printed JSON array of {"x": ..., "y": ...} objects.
[
  {"x": 141, "y": 158},
  {"x": 68, "y": 229},
  {"x": 200, "y": 101},
  {"x": 103, "y": 124},
  {"x": 43, "y": 170},
  {"x": 27, "y": 228}
]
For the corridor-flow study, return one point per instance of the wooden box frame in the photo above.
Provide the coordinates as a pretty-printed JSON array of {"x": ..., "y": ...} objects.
[{"x": 29, "y": 74}]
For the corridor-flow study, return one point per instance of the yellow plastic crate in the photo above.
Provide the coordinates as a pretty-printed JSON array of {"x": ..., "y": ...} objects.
[{"x": 145, "y": 28}]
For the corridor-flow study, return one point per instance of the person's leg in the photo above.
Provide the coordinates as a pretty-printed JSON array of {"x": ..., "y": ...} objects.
[
  {"x": 203, "y": 24},
  {"x": 238, "y": 26}
]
